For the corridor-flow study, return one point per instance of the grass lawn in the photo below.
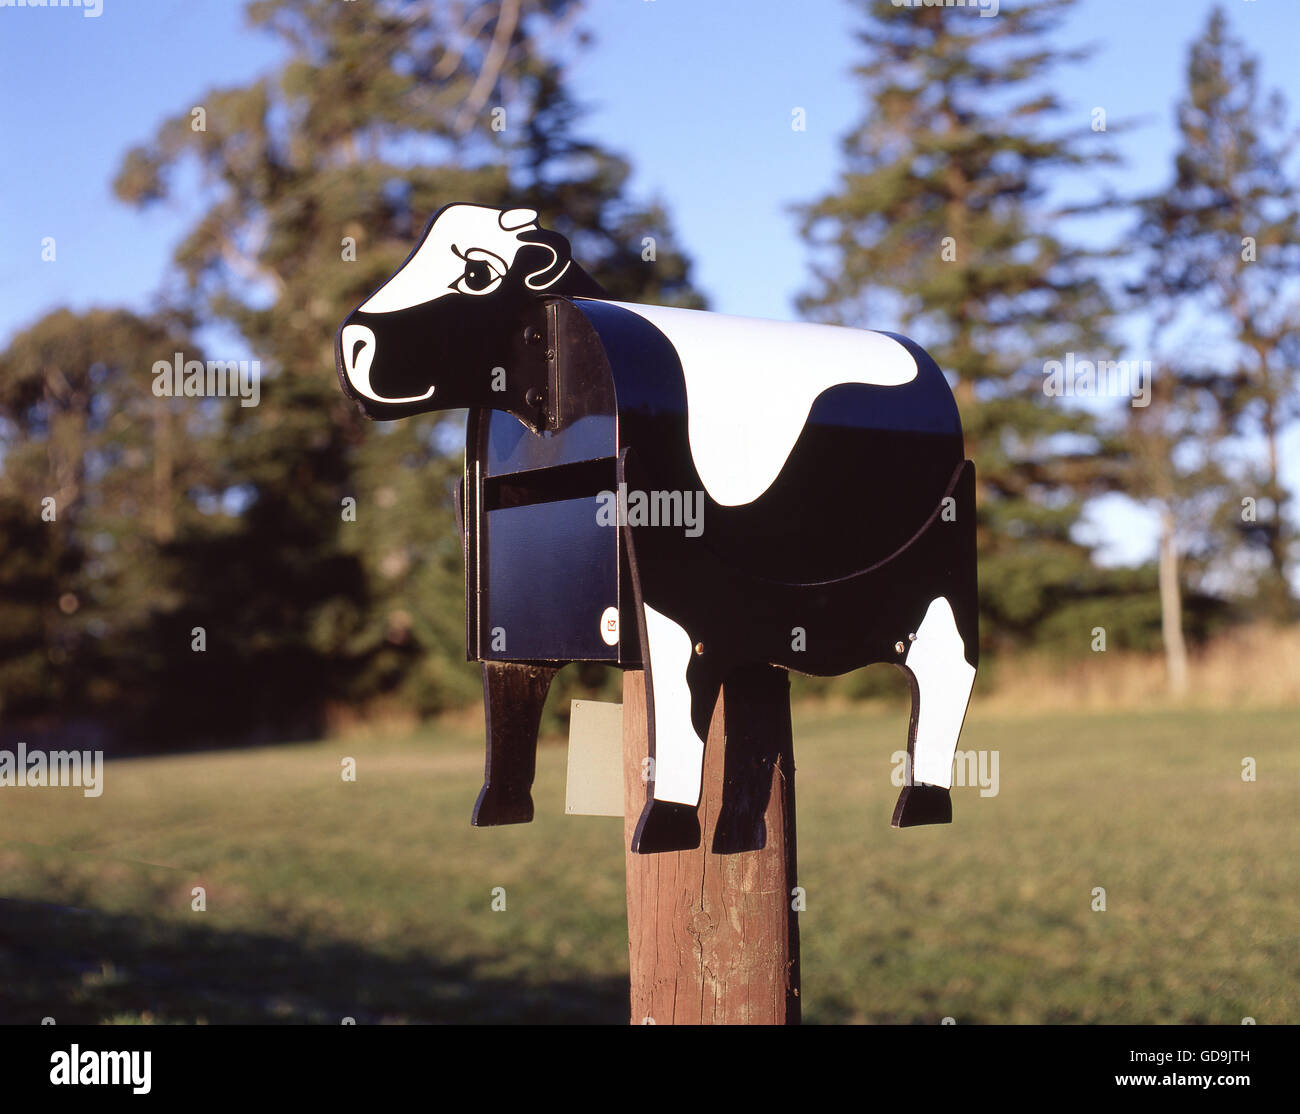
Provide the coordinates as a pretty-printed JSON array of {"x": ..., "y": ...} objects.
[{"x": 373, "y": 898}]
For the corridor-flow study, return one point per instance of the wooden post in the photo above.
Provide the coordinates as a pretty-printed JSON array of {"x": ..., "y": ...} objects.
[{"x": 713, "y": 937}]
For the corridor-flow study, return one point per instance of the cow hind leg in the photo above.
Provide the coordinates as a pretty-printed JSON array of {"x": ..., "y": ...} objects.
[{"x": 941, "y": 685}]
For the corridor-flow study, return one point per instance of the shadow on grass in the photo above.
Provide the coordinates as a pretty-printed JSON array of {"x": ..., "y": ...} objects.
[{"x": 82, "y": 966}]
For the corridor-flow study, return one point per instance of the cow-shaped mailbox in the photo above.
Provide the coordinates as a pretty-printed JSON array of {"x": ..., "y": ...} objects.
[{"x": 677, "y": 491}]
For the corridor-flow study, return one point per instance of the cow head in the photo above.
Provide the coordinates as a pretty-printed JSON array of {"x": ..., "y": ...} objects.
[{"x": 430, "y": 337}]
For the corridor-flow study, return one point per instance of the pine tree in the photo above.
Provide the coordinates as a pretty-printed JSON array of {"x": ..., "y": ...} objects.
[{"x": 940, "y": 228}]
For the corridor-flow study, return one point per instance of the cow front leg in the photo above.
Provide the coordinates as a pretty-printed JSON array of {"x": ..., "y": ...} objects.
[
  {"x": 941, "y": 685},
  {"x": 513, "y": 698},
  {"x": 670, "y": 821}
]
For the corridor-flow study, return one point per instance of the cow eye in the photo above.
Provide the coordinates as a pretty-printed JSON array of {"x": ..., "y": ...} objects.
[{"x": 483, "y": 272}]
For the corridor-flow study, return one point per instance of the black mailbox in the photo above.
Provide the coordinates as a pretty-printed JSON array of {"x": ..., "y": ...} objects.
[{"x": 677, "y": 491}]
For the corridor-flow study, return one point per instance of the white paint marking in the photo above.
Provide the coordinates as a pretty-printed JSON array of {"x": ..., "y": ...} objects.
[
  {"x": 679, "y": 751},
  {"x": 750, "y": 384},
  {"x": 944, "y": 678},
  {"x": 430, "y": 272}
]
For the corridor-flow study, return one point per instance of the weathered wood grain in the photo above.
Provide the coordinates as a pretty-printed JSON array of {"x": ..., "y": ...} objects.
[{"x": 712, "y": 934}]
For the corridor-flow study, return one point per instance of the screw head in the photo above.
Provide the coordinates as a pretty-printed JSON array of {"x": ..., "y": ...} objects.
[
  {"x": 533, "y": 397},
  {"x": 898, "y": 647},
  {"x": 532, "y": 336},
  {"x": 699, "y": 647}
]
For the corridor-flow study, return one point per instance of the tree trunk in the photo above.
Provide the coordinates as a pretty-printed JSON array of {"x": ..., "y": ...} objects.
[
  {"x": 1171, "y": 608},
  {"x": 1277, "y": 537},
  {"x": 164, "y": 524}
]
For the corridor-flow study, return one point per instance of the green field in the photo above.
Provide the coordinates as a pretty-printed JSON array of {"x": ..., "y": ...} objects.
[{"x": 373, "y": 899}]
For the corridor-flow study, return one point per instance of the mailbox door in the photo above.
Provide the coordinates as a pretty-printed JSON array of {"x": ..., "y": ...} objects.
[
  {"x": 550, "y": 578},
  {"x": 542, "y": 564}
]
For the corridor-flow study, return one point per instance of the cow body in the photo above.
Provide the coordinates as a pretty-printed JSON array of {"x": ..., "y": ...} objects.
[{"x": 837, "y": 507}]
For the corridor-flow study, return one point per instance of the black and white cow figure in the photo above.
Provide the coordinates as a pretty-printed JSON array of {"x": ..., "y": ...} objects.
[{"x": 838, "y": 510}]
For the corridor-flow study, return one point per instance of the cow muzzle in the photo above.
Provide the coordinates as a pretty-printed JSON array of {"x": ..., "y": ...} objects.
[{"x": 358, "y": 348}]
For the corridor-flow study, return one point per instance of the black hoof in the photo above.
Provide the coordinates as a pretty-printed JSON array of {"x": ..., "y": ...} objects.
[
  {"x": 922, "y": 804},
  {"x": 495, "y": 807},
  {"x": 666, "y": 826}
]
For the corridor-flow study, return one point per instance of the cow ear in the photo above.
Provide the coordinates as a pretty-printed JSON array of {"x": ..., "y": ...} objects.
[
  {"x": 547, "y": 266},
  {"x": 544, "y": 266}
]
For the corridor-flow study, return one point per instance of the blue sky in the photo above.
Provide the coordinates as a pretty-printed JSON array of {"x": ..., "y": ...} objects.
[{"x": 697, "y": 93}]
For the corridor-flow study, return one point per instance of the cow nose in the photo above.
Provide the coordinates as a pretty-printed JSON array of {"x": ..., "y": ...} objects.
[{"x": 359, "y": 344}]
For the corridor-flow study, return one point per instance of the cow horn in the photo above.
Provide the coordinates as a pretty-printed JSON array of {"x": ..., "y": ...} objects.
[{"x": 512, "y": 219}]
